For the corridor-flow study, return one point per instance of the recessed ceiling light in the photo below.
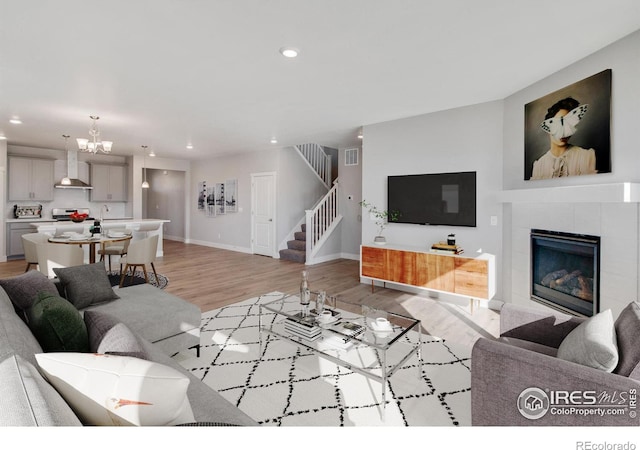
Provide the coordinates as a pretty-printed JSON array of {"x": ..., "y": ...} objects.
[
  {"x": 289, "y": 52},
  {"x": 15, "y": 121},
  {"x": 189, "y": 146},
  {"x": 152, "y": 153},
  {"x": 274, "y": 141},
  {"x": 360, "y": 135},
  {"x": 3, "y": 138}
]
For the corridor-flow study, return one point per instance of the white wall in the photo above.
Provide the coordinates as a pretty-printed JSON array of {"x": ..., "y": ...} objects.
[
  {"x": 350, "y": 179},
  {"x": 462, "y": 139},
  {"x": 616, "y": 223},
  {"x": 297, "y": 190}
]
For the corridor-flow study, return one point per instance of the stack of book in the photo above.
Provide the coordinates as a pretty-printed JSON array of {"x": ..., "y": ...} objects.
[
  {"x": 443, "y": 247},
  {"x": 305, "y": 327},
  {"x": 347, "y": 330}
]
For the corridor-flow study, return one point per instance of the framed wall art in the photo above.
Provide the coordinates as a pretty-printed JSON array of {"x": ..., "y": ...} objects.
[
  {"x": 231, "y": 196},
  {"x": 568, "y": 132}
]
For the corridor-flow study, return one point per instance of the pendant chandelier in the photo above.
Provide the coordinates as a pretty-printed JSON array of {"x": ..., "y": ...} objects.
[{"x": 94, "y": 145}]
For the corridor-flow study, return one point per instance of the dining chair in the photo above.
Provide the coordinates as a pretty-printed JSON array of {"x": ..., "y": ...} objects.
[
  {"x": 145, "y": 228},
  {"x": 141, "y": 252},
  {"x": 52, "y": 256},
  {"x": 29, "y": 243},
  {"x": 119, "y": 248}
]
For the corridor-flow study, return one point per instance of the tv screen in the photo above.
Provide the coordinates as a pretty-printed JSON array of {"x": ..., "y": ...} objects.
[{"x": 434, "y": 199}]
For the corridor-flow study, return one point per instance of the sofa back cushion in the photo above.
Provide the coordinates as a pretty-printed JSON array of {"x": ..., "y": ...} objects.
[
  {"x": 23, "y": 289},
  {"x": 27, "y": 399},
  {"x": 628, "y": 333},
  {"x": 15, "y": 336}
]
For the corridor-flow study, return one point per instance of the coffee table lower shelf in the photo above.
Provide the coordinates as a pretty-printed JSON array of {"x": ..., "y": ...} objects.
[{"x": 383, "y": 367}]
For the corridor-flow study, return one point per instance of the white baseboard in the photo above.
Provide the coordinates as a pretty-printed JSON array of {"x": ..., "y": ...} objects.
[{"x": 220, "y": 246}]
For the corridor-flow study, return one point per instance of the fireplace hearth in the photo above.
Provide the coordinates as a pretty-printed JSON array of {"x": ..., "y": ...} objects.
[{"x": 565, "y": 272}]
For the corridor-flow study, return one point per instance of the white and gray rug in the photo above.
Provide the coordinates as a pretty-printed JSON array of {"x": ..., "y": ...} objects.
[{"x": 290, "y": 386}]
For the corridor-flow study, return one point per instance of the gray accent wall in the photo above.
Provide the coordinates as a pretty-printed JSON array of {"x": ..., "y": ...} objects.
[{"x": 462, "y": 139}]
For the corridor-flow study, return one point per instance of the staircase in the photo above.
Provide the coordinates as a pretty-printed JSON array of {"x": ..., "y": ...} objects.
[
  {"x": 320, "y": 221},
  {"x": 296, "y": 249}
]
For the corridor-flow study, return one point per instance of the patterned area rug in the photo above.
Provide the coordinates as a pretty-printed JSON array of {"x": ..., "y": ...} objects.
[
  {"x": 138, "y": 278},
  {"x": 290, "y": 386}
]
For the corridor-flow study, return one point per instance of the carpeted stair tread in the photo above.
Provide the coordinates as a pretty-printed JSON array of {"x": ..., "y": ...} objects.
[
  {"x": 297, "y": 245},
  {"x": 293, "y": 255},
  {"x": 300, "y": 236}
]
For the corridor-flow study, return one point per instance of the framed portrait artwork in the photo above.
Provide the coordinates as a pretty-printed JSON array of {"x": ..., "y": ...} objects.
[{"x": 568, "y": 132}]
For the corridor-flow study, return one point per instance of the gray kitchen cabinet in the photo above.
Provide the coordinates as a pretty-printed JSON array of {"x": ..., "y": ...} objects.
[
  {"x": 14, "y": 238},
  {"x": 109, "y": 183},
  {"x": 30, "y": 179}
]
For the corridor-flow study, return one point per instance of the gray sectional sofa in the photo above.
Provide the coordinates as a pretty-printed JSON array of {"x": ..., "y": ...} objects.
[
  {"x": 530, "y": 377},
  {"x": 162, "y": 324}
]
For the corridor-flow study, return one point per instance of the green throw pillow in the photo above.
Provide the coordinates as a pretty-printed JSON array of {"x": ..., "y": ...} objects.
[{"x": 57, "y": 324}]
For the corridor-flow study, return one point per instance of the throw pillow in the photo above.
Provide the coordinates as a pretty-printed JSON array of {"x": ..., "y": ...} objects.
[
  {"x": 628, "y": 333},
  {"x": 23, "y": 290},
  {"x": 57, "y": 324},
  {"x": 110, "y": 336},
  {"x": 118, "y": 390},
  {"x": 86, "y": 285},
  {"x": 592, "y": 343}
]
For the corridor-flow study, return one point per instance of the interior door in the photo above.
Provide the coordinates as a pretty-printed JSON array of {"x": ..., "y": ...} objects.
[{"x": 263, "y": 213}]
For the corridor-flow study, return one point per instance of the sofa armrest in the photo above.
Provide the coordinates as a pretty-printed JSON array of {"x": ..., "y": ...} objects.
[
  {"x": 544, "y": 327},
  {"x": 501, "y": 372}
]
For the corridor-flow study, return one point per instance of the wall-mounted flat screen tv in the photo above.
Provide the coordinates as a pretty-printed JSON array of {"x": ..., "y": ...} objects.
[{"x": 434, "y": 198}]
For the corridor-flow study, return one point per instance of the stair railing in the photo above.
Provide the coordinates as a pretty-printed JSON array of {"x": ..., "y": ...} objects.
[
  {"x": 320, "y": 219},
  {"x": 319, "y": 161}
]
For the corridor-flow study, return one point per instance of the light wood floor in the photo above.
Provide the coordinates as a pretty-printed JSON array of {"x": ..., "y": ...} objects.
[{"x": 211, "y": 278}]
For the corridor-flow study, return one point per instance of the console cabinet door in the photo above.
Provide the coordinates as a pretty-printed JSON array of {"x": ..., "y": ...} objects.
[
  {"x": 400, "y": 266},
  {"x": 435, "y": 271},
  {"x": 373, "y": 260},
  {"x": 471, "y": 277}
]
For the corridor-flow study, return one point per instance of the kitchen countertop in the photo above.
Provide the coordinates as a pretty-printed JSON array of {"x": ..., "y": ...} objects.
[{"x": 59, "y": 223}]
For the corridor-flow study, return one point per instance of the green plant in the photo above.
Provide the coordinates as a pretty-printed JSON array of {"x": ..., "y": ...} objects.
[{"x": 382, "y": 216}]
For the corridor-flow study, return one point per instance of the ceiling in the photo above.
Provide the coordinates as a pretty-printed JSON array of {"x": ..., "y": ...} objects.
[{"x": 165, "y": 73}]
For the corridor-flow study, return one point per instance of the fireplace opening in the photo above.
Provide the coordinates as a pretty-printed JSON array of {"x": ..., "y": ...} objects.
[{"x": 565, "y": 273}]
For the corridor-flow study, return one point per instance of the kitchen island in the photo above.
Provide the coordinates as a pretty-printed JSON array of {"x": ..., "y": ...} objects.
[{"x": 136, "y": 226}]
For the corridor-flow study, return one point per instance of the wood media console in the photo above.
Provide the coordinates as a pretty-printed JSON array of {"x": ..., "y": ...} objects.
[{"x": 470, "y": 277}]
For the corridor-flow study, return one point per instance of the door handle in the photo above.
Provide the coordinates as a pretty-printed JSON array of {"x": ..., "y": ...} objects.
[{"x": 270, "y": 220}]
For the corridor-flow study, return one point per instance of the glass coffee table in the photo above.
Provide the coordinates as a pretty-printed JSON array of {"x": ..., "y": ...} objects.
[{"x": 361, "y": 338}]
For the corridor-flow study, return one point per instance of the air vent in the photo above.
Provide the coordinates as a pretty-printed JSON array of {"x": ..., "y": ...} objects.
[{"x": 351, "y": 157}]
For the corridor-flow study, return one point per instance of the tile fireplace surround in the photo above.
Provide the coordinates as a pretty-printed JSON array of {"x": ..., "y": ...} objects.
[{"x": 614, "y": 219}]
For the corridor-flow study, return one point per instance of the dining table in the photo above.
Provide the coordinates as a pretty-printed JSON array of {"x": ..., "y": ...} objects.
[{"x": 92, "y": 241}]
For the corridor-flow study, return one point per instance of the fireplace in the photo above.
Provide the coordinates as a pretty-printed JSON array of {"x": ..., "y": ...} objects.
[{"x": 565, "y": 272}]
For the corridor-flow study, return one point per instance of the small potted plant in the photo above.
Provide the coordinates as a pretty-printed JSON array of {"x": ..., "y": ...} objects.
[{"x": 382, "y": 218}]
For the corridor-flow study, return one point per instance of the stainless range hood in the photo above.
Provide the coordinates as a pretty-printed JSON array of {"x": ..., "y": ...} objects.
[{"x": 72, "y": 174}]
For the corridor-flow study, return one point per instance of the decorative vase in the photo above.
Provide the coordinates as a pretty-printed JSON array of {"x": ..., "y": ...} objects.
[{"x": 380, "y": 240}]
